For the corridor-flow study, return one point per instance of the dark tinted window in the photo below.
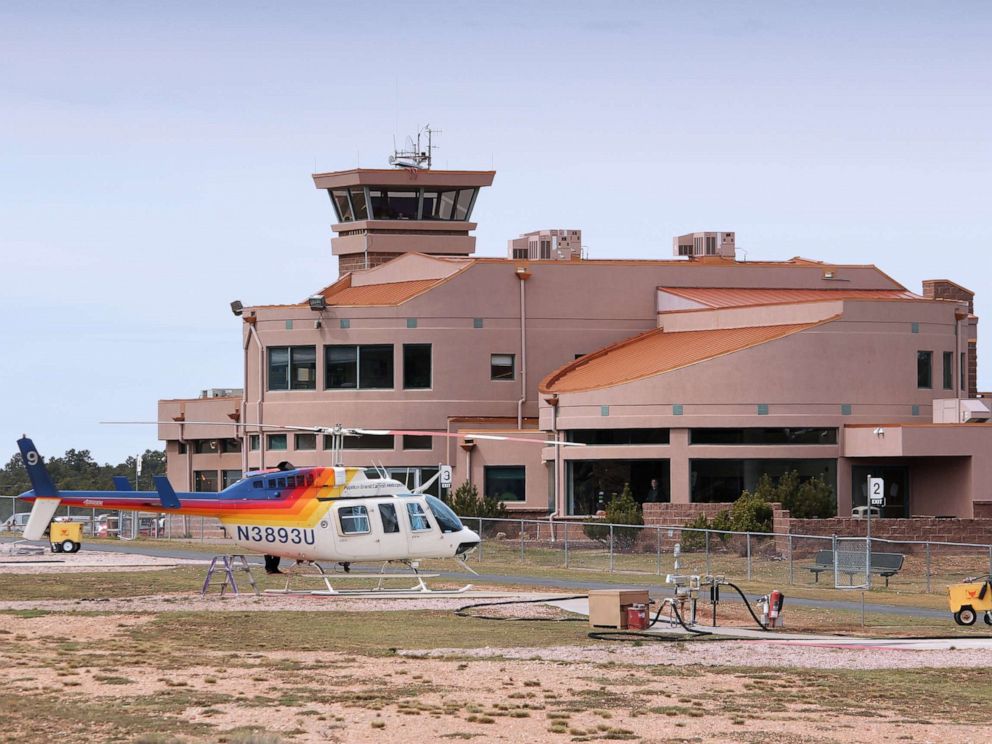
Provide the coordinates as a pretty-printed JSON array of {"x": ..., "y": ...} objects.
[
  {"x": 416, "y": 366},
  {"x": 924, "y": 369},
  {"x": 506, "y": 482},
  {"x": 763, "y": 436},
  {"x": 501, "y": 366},
  {"x": 292, "y": 367},
  {"x": 948, "y": 370},
  {"x": 358, "y": 202},
  {"x": 365, "y": 441},
  {"x": 447, "y": 520},
  {"x": 418, "y": 442},
  {"x": 375, "y": 366},
  {"x": 619, "y": 436}
]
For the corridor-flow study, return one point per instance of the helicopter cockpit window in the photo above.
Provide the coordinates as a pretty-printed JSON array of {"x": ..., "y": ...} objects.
[
  {"x": 418, "y": 520},
  {"x": 354, "y": 520},
  {"x": 309, "y": 477},
  {"x": 258, "y": 483},
  {"x": 281, "y": 482},
  {"x": 390, "y": 523},
  {"x": 447, "y": 520},
  {"x": 272, "y": 483}
]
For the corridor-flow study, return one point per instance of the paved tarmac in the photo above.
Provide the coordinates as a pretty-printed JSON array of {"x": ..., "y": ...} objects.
[{"x": 656, "y": 587}]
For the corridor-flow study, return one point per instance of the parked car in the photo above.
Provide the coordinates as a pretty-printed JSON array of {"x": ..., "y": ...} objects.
[
  {"x": 108, "y": 525},
  {"x": 15, "y": 522}
]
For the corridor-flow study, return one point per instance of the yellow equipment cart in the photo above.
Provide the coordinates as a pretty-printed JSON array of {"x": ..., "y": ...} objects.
[
  {"x": 66, "y": 537},
  {"x": 969, "y": 598}
]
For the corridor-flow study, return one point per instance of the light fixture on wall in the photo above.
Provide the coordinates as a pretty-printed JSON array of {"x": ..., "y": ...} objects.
[
  {"x": 879, "y": 432},
  {"x": 237, "y": 308},
  {"x": 317, "y": 302}
]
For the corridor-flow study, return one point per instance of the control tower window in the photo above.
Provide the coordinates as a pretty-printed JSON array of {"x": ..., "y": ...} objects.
[
  {"x": 446, "y": 205},
  {"x": 394, "y": 205},
  {"x": 359, "y": 204},
  {"x": 341, "y": 205},
  {"x": 464, "y": 204}
]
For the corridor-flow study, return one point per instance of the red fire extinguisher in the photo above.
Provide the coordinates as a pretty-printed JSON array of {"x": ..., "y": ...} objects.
[{"x": 775, "y": 600}]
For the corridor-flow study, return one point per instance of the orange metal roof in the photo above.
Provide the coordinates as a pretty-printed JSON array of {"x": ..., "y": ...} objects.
[
  {"x": 392, "y": 293},
  {"x": 656, "y": 352},
  {"x": 716, "y": 297}
]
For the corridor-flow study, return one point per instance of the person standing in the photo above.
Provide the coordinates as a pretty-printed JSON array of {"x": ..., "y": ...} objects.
[{"x": 654, "y": 493}]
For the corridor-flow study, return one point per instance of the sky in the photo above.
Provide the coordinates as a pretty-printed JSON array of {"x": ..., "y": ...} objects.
[{"x": 155, "y": 159}]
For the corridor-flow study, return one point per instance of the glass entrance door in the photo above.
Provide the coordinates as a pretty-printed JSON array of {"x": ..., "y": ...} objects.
[{"x": 896, "y": 479}]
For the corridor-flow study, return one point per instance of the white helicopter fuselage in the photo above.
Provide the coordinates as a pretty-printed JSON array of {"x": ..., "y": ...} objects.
[{"x": 372, "y": 520}]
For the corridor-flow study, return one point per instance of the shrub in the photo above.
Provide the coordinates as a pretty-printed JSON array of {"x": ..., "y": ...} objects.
[
  {"x": 465, "y": 501},
  {"x": 810, "y": 499},
  {"x": 622, "y": 509}
]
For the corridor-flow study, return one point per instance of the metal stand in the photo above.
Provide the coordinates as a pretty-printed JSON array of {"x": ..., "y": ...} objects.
[{"x": 228, "y": 564}]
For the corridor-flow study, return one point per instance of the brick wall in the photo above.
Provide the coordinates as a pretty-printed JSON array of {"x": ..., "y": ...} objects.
[
  {"x": 926, "y": 529},
  {"x": 983, "y": 509},
  {"x": 941, "y": 289}
]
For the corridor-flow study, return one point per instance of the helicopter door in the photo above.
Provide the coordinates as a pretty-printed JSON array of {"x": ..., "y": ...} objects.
[
  {"x": 355, "y": 534},
  {"x": 423, "y": 534},
  {"x": 393, "y": 541}
]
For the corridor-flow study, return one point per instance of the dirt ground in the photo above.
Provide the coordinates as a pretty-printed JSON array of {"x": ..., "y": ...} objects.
[{"x": 108, "y": 670}]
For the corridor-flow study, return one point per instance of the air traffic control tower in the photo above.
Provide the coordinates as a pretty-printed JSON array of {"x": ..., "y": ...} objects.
[{"x": 384, "y": 213}]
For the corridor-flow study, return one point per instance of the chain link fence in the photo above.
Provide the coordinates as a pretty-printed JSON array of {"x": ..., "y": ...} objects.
[
  {"x": 650, "y": 550},
  {"x": 782, "y": 559}
]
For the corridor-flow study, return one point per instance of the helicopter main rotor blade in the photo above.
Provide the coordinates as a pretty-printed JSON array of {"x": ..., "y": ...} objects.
[{"x": 353, "y": 432}]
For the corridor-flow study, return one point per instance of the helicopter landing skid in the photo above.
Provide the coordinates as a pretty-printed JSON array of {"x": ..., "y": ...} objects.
[{"x": 378, "y": 589}]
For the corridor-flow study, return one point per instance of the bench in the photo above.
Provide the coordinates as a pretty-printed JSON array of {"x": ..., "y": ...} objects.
[{"x": 882, "y": 564}]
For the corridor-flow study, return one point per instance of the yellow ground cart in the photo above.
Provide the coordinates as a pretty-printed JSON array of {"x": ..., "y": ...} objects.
[
  {"x": 66, "y": 537},
  {"x": 969, "y": 598}
]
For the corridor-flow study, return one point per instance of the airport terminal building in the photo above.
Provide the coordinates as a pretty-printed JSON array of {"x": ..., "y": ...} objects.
[{"x": 701, "y": 371}]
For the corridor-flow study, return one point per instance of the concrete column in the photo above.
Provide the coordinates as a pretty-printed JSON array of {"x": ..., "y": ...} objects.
[
  {"x": 679, "y": 466},
  {"x": 844, "y": 503}
]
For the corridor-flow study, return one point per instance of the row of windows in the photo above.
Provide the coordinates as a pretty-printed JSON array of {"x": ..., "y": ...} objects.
[
  {"x": 214, "y": 480},
  {"x": 924, "y": 369},
  {"x": 354, "y": 520},
  {"x": 374, "y": 203},
  {"x": 308, "y": 442},
  {"x": 363, "y": 367},
  {"x": 607, "y": 437}
]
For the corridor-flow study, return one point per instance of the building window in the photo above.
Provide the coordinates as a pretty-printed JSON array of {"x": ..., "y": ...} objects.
[
  {"x": 230, "y": 445},
  {"x": 418, "y": 520},
  {"x": 275, "y": 441},
  {"x": 205, "y": 480},
  {"x": 520, "y": 253},
  {"x": 763, "y": 436},
  {"x": 358, "y": 367},
  {"x": 416, "y": 366},
  {"x": 230, "y": 477},
  {"x": 418, "y": 442},
  {"x": 339, "y": 198},
  {"x": 948, "y": 370},
  {"x": 962, "y": 368},
  {"x": 359, "y": 203},
  {"x": 354, "y": 520},
  {"x": 723, "y": 481},
  {"x": 506, "y": 482},
  {"x": 394, "y": 205},
  {"x": 181, "y": 448},
  {"x": 618, "y": 436},
  {"x": 292, "y": 368},
  {"x": 204, "y": 446},
  {"x": 305, "y": 441},
  {"x": 501, "y": 366},
  {"x": 363, "y": 442},
  {"x": 924, "y": 372},
  {"x": 253, "y": 441}
]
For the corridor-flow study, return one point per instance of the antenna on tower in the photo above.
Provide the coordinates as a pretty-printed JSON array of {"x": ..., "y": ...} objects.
[{"x": 416, "y": 155}]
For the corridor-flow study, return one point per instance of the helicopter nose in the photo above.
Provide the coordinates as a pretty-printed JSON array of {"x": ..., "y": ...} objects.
[{"x": 469, "y": 541}]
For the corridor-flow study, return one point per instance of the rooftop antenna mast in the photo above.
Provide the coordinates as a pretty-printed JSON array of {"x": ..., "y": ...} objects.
[{"x": 416, "y": 155}]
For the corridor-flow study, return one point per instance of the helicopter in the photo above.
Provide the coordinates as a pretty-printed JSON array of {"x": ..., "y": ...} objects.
[{"x": 311, "y": 514}]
